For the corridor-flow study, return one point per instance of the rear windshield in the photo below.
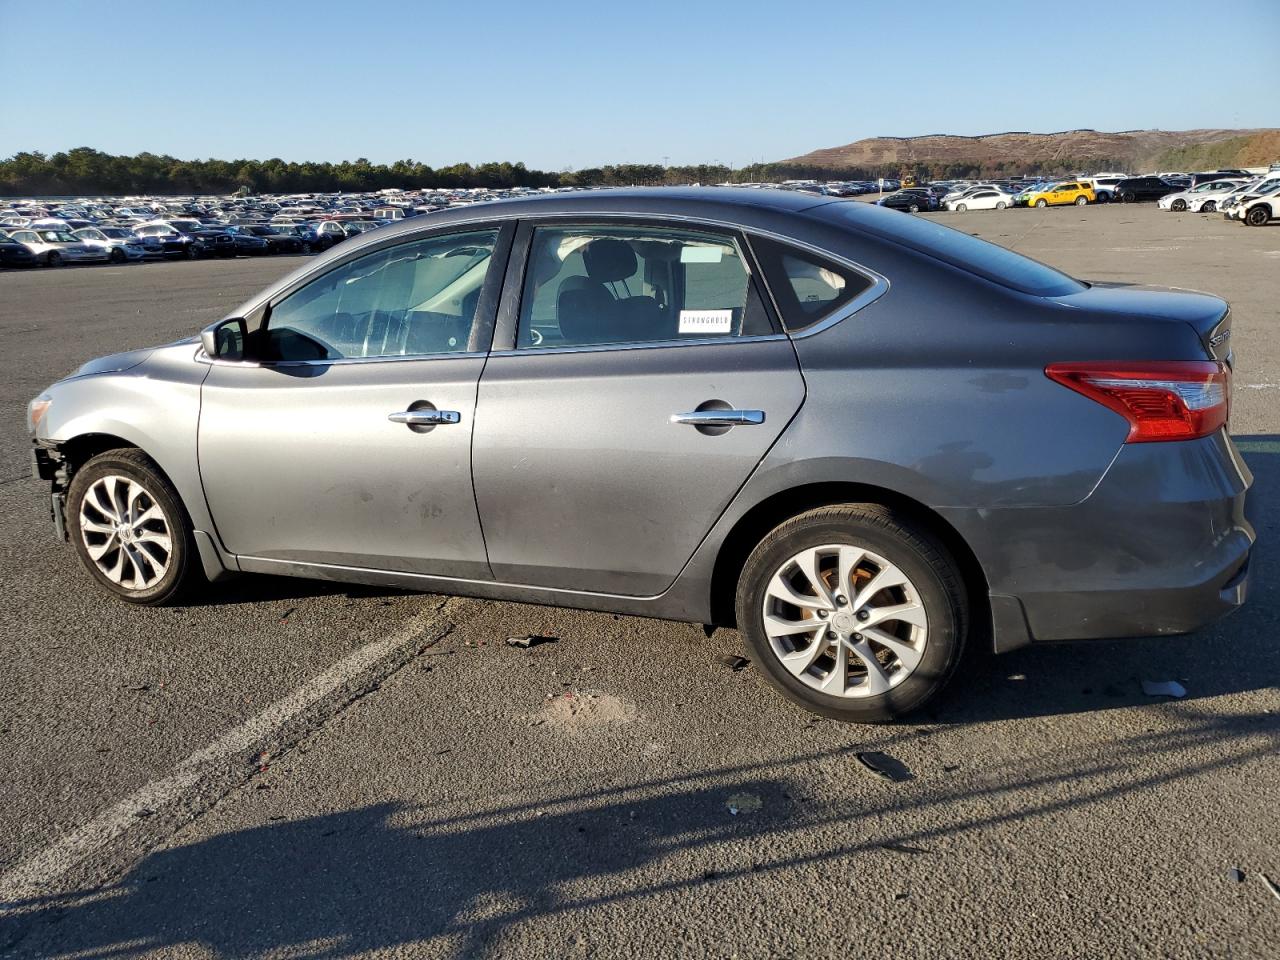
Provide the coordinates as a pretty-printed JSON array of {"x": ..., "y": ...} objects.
[{"x": 987, "y": 260}]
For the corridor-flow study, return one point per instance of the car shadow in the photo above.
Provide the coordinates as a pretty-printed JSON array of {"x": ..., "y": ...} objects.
[
  {"x": 261, "y": 588},
  {"x": 401, "y": 877}
]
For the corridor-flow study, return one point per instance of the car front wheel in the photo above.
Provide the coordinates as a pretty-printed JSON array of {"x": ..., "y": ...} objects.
[
  {"x": 1208, "y": 207},
  {"x": 1042, "y": 202},
  {"x": 1257, "y": 217},
  {"x": 129, "y": 528},
  {"x": 853, "y": 612}
]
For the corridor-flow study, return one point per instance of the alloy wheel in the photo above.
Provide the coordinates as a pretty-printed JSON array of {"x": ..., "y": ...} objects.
[
  {"x": 845, "y": 621},
  {"x": 125, "y": 532}
]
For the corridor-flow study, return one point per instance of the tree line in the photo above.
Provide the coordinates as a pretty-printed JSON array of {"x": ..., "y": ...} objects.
[{"x": 84, "y": 171}]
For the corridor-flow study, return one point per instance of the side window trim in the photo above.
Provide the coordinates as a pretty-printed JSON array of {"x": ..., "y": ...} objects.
[
  {"x": 482, "y": 327},
  {"x": 508, "y": 318},
  {"x": 879, "y": 284}
]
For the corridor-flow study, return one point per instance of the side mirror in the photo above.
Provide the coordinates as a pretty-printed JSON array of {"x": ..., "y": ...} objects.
[{"x": 225, "y": 339}]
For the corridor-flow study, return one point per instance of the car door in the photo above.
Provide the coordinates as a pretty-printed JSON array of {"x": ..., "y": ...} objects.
[
  {"x": 348, "y": 440},
  {"x": 637, "y": 379}
]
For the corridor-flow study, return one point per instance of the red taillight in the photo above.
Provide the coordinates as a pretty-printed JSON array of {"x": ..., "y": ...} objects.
[{"x": 1161, "y": 399}]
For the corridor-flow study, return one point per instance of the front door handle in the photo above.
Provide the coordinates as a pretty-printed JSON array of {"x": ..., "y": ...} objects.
[
  {"x": 720, "y": 418},
  {"x": 425, "y": 418}
]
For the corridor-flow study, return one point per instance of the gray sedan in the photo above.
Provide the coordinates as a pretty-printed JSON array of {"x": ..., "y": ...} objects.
[
  {"x": 53, "y": 248},
  {"x": 862, "y": 438}
]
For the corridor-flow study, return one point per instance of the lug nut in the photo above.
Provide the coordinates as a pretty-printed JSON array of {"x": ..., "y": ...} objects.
[
  {"x": 822, "y": 614},
  {"x": 864, "y": 615},
  {"x": 841, "y": 601},
  {"x": 857, "y": 638}
]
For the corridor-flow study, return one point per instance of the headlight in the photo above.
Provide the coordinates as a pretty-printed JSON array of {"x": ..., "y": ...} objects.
[{"x": 36, "y": 410}]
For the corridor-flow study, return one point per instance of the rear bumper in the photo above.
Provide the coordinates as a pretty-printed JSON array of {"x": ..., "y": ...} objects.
[{"x": 1161, "y": 546}]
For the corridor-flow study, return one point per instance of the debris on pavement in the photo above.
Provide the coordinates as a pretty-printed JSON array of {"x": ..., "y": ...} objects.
[
  {"x": 883, "y": 765},
  {"x": 735, "y": 663},
  {"x": 742, "y": 803},
  {"x": 902, "y": 848},
  {"x": 1236, "y": 874},
  {"x": 530, "y": 640},
  {"x": 1270, "y": 885},
  {"x": 1164, "y": 688}
]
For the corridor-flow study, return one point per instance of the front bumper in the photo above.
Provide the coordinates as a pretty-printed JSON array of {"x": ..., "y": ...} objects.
[{"x": 1161, "y": 546}]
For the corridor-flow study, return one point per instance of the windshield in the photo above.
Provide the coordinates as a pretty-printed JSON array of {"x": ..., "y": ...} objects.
[
  {"x": 56, "y": 236},
  {"x": 987, "y": 260}
]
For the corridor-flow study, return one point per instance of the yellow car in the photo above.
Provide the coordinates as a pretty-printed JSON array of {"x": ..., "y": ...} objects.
[{"x": 1069, "y": 191}]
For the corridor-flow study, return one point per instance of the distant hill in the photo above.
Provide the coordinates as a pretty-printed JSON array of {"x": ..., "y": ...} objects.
[{"x": 1022, "y": 151}]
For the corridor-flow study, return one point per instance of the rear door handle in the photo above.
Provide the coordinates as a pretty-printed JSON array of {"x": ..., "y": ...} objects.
[
  {"x": 425, "y": 418},
  {"x": 719, "y": 418}
]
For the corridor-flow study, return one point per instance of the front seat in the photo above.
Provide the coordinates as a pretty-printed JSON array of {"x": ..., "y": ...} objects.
[{"x": 587, "y": 310}]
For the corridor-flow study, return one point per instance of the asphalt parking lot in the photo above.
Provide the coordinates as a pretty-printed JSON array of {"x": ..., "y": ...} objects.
[{"x": 304, "y": 769}]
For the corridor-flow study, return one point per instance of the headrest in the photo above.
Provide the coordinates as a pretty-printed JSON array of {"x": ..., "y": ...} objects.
[{"x": 608, "y": 259}]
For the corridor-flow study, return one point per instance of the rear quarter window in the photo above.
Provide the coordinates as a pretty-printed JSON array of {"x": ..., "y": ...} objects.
[{"x": 806, "y": 287}]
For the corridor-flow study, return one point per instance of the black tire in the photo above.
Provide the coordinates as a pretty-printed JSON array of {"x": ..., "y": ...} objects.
[
  {"x": 183, "y": 566},
  {"x": 1000, "y": 205},
  {"x": 1257, "y": 216},
  {"x": 53, "y": 259},
  {"x": 1042, "y": 203},
  {"x": 961, "y": 207},
  {"x": 1209, "y": 206},
  {"x": 914, "y": 208},
  {"x": 1178, "y": 206},
  {"x": 1124, "y": 197},
  {"x": 1104, "y": 197},
  {"x": 1081, "y": 200},
  {"x": 193, "y": 252},
  {"x": 924, "y": 560},
  {"x": 116, "y": 255}
]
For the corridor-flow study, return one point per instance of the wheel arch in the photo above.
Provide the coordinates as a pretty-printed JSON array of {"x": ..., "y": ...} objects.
[
  {"x": 756, "y": 523},
  {"x": 80, "y": 448}
]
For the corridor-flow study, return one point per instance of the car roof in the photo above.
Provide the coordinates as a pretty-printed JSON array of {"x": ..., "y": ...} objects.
[{"x": 711, "y": 203}]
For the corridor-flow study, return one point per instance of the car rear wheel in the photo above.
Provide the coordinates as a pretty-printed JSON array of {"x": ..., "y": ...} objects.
[
  {"x": 1178, "y": 206},
  {"x": 1000, "y": 205},
  {"x": 117, "y": 255},
  {"x": 1257, "y": 217},
  {"x": 914, "y": 208},
  {"x": 192, "y": 252},
  {"x": 961, "y": 207},
  {"x": 129, "y": 528},
  {"x": 1042, "y": 202},
  {"x": 1081, "y": 201},
  {"x": 853, "y": 612},
  {"x": 1208, "y": 207},
  {"x": 54, "y": 259}
]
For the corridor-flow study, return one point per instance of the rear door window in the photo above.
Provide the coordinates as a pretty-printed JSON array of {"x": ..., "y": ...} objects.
[
  {"x": 806, "y": 287},
  {"x": 610, "y": 284}
]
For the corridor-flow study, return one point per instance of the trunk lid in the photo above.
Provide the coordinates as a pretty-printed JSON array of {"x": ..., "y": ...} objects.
[{"x": 1208, "y": 315}]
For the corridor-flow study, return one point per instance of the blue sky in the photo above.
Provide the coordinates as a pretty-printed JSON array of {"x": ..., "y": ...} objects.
[{"x": 579, "y": 84}]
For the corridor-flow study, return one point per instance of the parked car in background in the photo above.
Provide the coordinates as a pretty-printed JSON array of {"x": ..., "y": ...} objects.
[
  {"x": 984, "y": 198},
  {"x": 1257, "y": 209},
  {"x": 1104, "y": 186},
  {"x": 53, "y": 248},
  {"x": 1255, "y": 187},
  {"x": 15, "y": 254},
  {"x": 1194, "y": 198},
  {"x": 1060, "y": 193},
  {"x": 247, "y": 243},
  {"x": 904, "y": 200},
  {"x": 120, "y": 244},
  {"x": 1138, "y": 189},
  {"x": 277, "y": 239}
]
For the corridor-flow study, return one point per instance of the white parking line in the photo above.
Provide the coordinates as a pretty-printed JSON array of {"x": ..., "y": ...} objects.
[{"x": 32, "y": 875}]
